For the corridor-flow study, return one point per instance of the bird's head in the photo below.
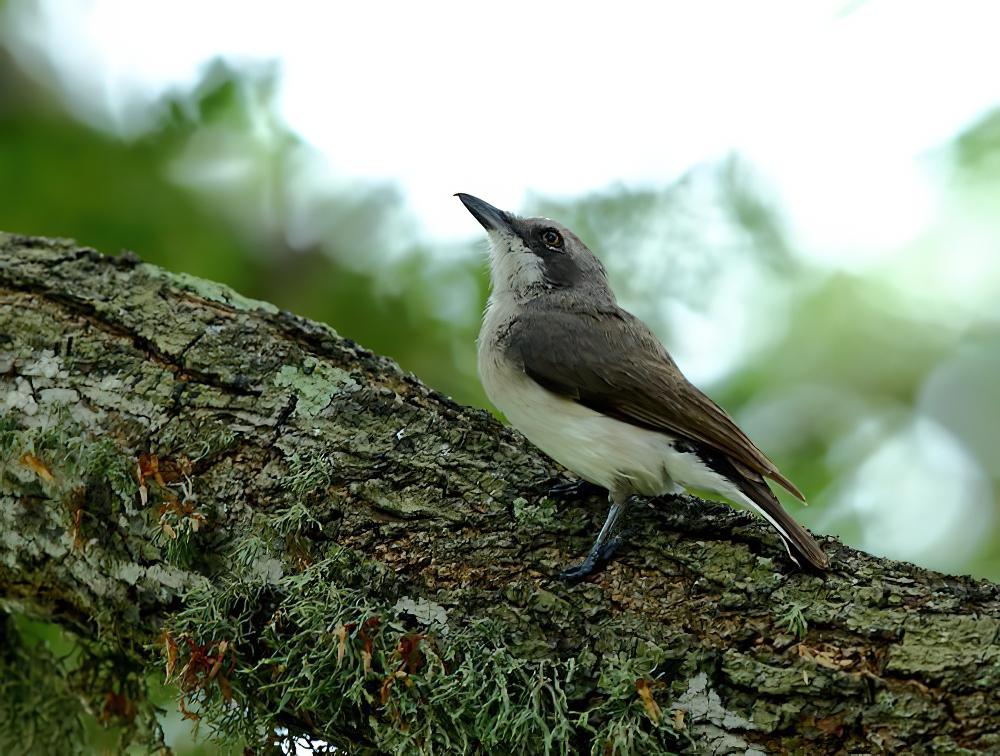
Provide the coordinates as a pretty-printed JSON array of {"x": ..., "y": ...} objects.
[{"x": 532, "y": 256}]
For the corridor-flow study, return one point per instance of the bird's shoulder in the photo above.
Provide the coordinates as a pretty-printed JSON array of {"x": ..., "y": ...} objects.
[{"x": 607, "y": 330}]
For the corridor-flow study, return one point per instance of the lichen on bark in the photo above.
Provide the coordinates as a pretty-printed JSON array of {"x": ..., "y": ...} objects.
[{"x": 200, "y": 487}]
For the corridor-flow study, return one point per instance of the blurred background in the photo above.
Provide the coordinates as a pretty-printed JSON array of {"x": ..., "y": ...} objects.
[{"x": 803, "y": 200}]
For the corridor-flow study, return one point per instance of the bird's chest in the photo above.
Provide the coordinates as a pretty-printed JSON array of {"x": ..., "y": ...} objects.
[{"x": 498, "y": 376}]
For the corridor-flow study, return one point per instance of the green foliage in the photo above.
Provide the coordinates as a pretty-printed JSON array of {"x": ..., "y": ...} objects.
[
  {"x": 356, "y": 262},
  {"x": 37, "y": 708},
  {"x": 977, "y": 151}
]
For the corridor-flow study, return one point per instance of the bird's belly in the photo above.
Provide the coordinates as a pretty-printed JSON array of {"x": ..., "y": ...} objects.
[{"x": 600, "y": 449}]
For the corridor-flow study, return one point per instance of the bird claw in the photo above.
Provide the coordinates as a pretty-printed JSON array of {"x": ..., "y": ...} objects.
[
  {"x": 576, "y": 573},
  {"x": 595, "y": 561}
]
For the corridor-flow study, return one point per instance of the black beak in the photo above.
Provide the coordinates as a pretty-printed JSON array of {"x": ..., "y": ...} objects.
[{"x": 491, "y": 218}]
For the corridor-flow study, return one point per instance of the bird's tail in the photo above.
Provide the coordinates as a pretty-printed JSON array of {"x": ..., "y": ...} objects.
[{"x": 797, "y": 539}]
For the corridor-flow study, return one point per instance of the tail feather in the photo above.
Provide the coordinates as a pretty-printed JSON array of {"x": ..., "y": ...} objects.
[{"x": 796, "y": 538}]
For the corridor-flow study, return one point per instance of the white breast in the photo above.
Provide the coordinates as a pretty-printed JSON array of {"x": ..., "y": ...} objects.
[
  {"x": 599, "y": 449},
  {"x": 604, "y": 451}
]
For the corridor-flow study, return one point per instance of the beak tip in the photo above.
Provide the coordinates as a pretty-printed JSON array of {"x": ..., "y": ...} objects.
[{"x": 491, "y": 218}]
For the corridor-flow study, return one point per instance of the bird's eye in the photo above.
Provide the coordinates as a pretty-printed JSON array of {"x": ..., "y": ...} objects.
[{"x": 552, "y": 238}]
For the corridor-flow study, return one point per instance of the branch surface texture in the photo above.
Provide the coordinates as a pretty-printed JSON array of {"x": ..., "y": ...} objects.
[{"x": 200, "y": 488}]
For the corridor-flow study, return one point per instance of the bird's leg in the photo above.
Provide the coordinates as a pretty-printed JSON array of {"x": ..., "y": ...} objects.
[{"x": 607, "y": 541}]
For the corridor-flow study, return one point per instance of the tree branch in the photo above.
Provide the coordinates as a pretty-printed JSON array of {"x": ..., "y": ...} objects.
[{"x": 300, "y": 535}]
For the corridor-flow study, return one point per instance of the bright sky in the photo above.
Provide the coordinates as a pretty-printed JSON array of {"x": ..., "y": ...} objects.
[{"x": 833, "y": 101}]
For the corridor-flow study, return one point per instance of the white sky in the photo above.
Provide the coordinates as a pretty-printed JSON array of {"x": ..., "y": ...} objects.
[{"x": 833, "y": 101}]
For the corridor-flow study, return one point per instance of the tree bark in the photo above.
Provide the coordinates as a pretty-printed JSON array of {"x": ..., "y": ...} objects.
[{"x": 200, "y": 487}]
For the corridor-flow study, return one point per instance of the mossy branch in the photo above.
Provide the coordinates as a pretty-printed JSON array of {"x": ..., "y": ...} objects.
[{"x": 201, "y": 488}]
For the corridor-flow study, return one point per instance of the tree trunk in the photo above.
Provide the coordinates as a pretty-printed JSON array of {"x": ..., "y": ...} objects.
[{"x": 298, "y": 535}]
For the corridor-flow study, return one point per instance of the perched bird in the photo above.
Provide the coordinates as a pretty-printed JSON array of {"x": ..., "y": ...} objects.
[{"x": 591, "y": 386}]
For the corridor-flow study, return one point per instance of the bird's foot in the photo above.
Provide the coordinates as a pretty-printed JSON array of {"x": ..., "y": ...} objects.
[{"x": 595, "y": 561}]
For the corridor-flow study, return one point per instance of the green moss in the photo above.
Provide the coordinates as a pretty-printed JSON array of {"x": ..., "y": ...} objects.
[{"x": 404, "y": 679}]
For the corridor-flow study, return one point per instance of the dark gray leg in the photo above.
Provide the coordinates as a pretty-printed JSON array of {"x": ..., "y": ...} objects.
[{"x": 607, "y": 541}]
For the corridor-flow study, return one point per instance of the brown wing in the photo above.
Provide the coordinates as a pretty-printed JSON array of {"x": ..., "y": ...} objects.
[{"x": 612, "y": 363}]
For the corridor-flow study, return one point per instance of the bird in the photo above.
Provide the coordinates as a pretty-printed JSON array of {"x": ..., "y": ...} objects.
[{"x": 592, "y": 387}]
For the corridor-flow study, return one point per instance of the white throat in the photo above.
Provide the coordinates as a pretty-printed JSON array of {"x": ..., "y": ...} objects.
[{"x": 515, "y": 271}]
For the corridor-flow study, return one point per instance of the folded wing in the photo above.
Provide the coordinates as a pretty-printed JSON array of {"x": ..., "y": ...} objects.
[{"x": 612, "y": 363}]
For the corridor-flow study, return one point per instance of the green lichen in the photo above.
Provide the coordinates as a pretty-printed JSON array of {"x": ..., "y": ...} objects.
[
  {"x": 314, "y": 384},
  {"x": 541, "y": 515},
  {"x": 295, "y": 520},
  {"x": 404, "y": 503},
  {"x": 367, "y": 568},
  {"x": 934, "y": 645},
  {"x": 209, "y": 290},
  {"x": 794, "y": 621},
  {"x": 94, "y": 488},
  {"x": 709, "y": 723},
  {"x": 309, "y": 470},
  {"x": 195, "y": 439},
  {"x": 103, "y": 464},
  {"x": 63, "y": 461},
  {"x": 97, "y": 482},
  {"x": 626, "y": 724},
  {"x": 394, "y": 670},
  {"x": 9, "y": 429},
  {"x": 176, "y": 531}
]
